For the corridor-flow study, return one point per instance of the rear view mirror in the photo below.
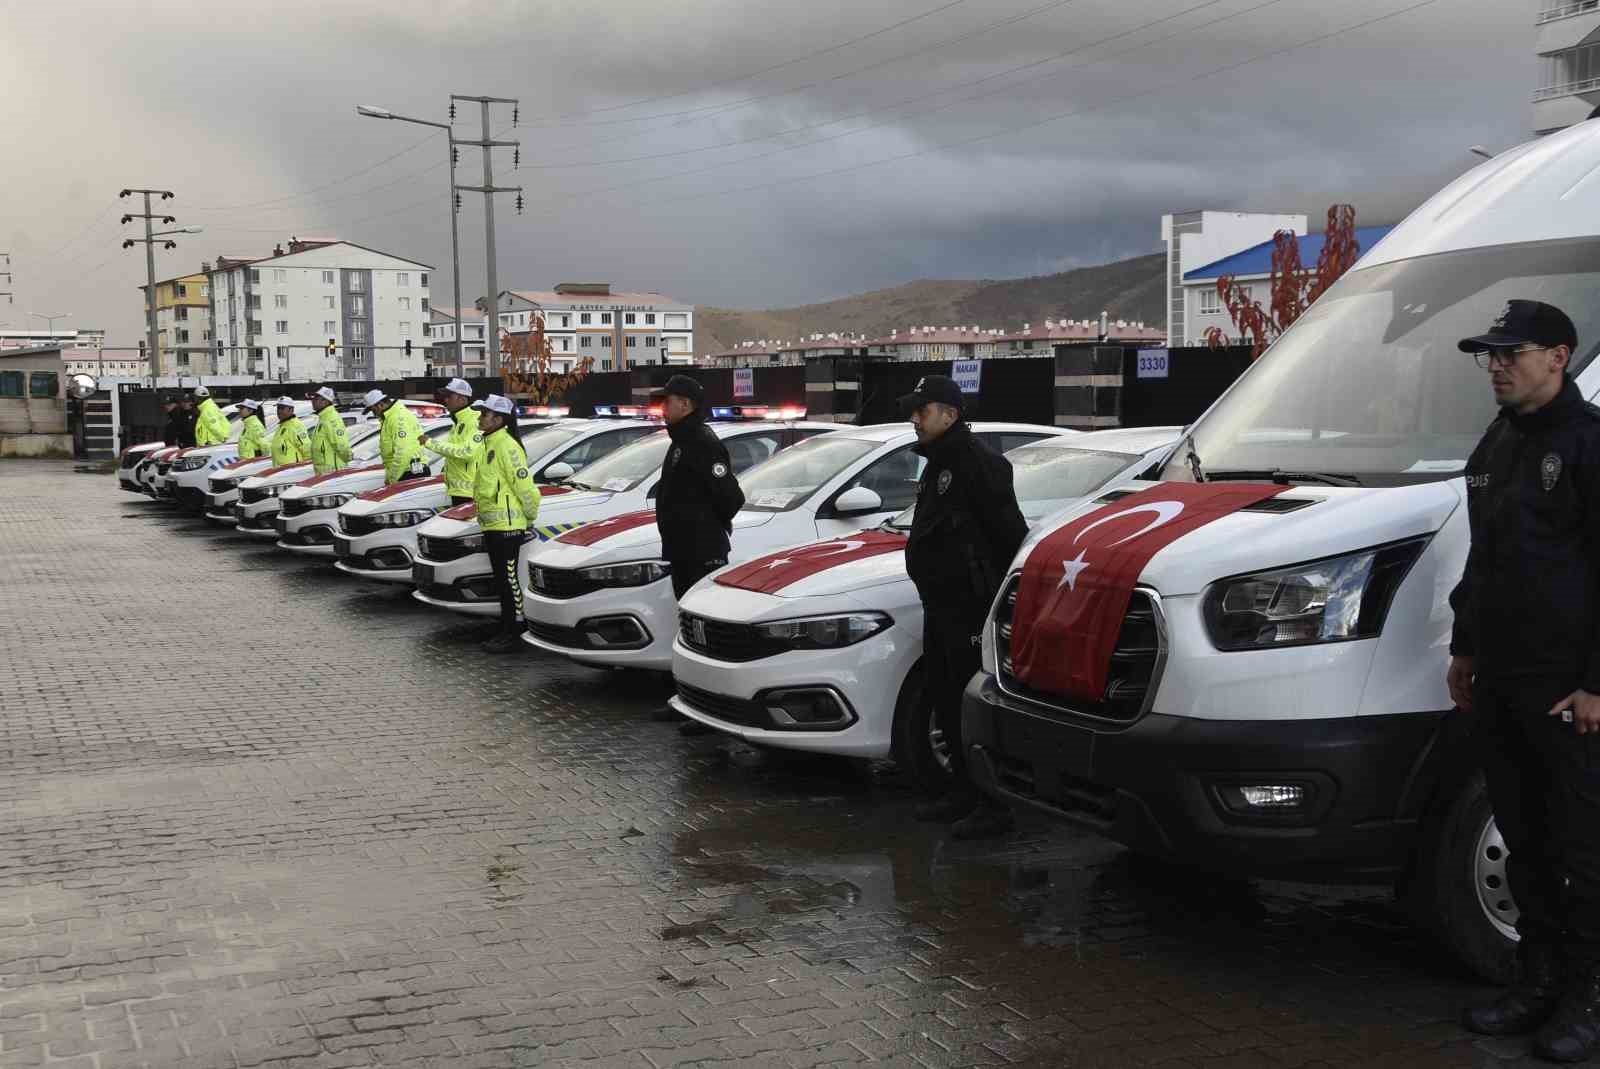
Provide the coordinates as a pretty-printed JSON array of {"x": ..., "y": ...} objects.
[
  {"x": 559, "y": 472},
  {"x": 857, "y": 500}
]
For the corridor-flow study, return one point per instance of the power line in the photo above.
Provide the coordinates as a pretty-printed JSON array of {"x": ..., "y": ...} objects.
[{"x": 313, "y": 189}]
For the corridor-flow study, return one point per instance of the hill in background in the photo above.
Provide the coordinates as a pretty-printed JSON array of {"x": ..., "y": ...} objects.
[{"x": 1129, "y": 289}]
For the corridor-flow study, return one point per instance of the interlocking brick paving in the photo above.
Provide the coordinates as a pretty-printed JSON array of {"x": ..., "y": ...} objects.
[{"x": 257, "y": 813}]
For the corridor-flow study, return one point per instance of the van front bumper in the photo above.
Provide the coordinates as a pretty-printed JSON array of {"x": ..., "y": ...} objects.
[{"x": 1172, "y": 786}]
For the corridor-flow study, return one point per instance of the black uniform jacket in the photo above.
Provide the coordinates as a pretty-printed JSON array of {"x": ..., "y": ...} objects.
[
  {"x": 180, "y": 427},
  {"x": 698, "y": 495},
  {"x": 1529, "y": 602},
  {"x": 967, "y": 525}
]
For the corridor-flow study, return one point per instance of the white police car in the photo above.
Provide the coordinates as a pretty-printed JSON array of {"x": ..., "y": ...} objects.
[
  {"x": 131, "y": 458},
  {"x": 599, "y": 594},
  {"x": 222, "y": 489},
  {"x": 819, "y": 647}
]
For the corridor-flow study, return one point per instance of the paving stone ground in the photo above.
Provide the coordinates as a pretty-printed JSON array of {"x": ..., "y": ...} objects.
[{"x": 256, "y": 813}]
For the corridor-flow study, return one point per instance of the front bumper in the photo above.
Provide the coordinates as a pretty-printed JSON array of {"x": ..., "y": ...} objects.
[
  {"x": 309, "y": 533},
  {"x": 1160, "y": 784},
  {"x": 387, "y": 555},
  {"x": 463, "y": 585},
  {"x": 624, "y": 627},
  {"x": 256, "y": 519}
]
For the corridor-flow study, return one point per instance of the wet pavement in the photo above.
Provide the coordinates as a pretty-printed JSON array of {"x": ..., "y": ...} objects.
[{"x": 258, "y": 813}]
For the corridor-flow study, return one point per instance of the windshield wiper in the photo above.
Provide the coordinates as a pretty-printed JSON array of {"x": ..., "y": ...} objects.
[
  {"x": 1194, "y": 463},
  {"x": 1284, "y": 478}
]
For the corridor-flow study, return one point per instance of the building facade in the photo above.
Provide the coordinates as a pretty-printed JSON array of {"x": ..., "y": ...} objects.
[
  {"x": 1194, "y": 239},
  {"x": 183, "y": 323},
  {"x": 616, "y": 330},
  {"x": 1567, "y": 43},
  {"x": 320, "y": 310},
  {"x": 442, "y": 326},
  {"x": 1037, "y": 341},
  {"x": 83, "y": 337}
]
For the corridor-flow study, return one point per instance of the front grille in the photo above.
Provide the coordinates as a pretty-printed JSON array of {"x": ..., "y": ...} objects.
[
  {"x": 356, "y": 526},
  {"x": 556, "y": 635},
  {"x": 441, "y": 592},
  {"x": 560, "y": 583},
  {"x": 442, "y": 549},
  {"x": 1135, "y": 661},
  {"x": 253, "y": 494},
  {"x": 262, "y": 522},
  {"x": 222, "y": 486},
  {"x": 741, "y": 711},
  {"x": 724, "y": 641}
]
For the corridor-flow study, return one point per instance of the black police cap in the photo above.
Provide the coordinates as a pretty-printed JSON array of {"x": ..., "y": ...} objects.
[
  {"x": 681, "y": 386},
  {"x": 1524, "y": 322},
  {"x": 940, "y": 388}
]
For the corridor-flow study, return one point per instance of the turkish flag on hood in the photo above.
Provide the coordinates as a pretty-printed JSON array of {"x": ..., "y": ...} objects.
[
  {"x": 1078, "y": 580},
  {"x": 769, "y": 574}
]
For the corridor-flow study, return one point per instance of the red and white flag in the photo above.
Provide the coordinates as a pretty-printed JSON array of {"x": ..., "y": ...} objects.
[
  {"x": 1077, "y": 582},
  {"x": 590, "y": 533},
  {"x": 770, "y": 574}
]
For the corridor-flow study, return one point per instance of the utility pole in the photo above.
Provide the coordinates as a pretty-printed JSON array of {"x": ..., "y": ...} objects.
[
  {"x": 149, "y": 242},
  {"x": 491, "y": 329}
]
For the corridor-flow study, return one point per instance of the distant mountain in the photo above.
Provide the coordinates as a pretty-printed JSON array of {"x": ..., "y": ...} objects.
[{"x": 1133, "y": 290}]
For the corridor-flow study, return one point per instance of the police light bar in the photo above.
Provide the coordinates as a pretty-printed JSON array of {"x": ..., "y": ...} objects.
[
  {"x": 602, "y": 411},
  {"x": 788, "y": 412},
  {"x": 656, "y": 412},
  {"x": 551, "y": 411},
  {"x": 741, "y": 412}
]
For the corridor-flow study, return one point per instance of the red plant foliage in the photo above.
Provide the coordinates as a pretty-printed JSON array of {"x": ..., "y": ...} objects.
[{"x": 525, "y": 365}]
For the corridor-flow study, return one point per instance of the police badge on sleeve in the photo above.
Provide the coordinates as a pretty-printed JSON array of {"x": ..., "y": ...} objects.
[
  {"x": 719, "y": 469},
  {"x": 944, "y": 480},
  {"x": 1550, "y": 471}
]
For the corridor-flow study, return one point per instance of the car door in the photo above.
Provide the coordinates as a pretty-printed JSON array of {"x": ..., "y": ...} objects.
[{"x": 893, "y": 477}]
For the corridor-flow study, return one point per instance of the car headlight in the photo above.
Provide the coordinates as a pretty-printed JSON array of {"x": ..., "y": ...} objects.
[
  {"x": 637, "y": 573},
  {"x": 326, "y": 501},
  {"x": 1332, "y": 600},
  {"x": 408, "y": 518},
  {"x": 825, "y": 632},
  {"x": 190, "y": 463},
  {"x": 473, "y": 542},
  {"x": 270, "y": 491}
]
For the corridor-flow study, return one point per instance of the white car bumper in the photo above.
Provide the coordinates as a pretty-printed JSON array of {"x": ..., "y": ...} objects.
[
  {"x": 219, "y": 507},
  {"x": 308, "y": 533},
  {"x": 386, "y": 555},
  {"x": 623, "y": 627},
  {"x": 255, "y": 519},
  {"x": 464, "y": 585}
]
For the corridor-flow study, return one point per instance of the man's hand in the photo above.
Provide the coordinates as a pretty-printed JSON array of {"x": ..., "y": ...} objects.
[
  {"x": 1459, "y": 680},
  {"x": 1585, "y": 710}
]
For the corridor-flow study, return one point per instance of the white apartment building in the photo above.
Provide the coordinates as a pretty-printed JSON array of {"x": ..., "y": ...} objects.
[
  {"x": 616, "y": 330},
  {"x": 1195, "y": 239},
  {"x": 275, "y": 317},
  {"x": 1568, "y": 46},
  {"x": 442, "y": 342}
]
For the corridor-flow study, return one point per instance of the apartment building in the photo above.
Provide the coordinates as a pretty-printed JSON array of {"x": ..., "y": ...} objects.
[
  {"x": 183, "y": 323},
  {"x": 442, "y": 326},
  {"x": 616, "y": 330},
  {"x": 1567, "y": 42}
]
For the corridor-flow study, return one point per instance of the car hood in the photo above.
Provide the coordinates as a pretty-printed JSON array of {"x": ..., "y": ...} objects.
[
  {"x": 348, "y": 481},
  {"x": 420, "y": 493},
  {"x": 633, "y": 542}
]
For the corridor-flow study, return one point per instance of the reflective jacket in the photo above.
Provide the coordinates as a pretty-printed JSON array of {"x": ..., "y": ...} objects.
[
  {"x": 210, "y": 425},
  {"x": 330, "y": 442},
  {"x": 253, "y": 438},
  {"x": 399, "y": 442},
  {"x": 508, "y": 499},
  {"x": 698, "y": 494},
  {"x": 290, "y": 443},
  {"x": 967, "y": 526},
  {"x": 460, "y": 450}
]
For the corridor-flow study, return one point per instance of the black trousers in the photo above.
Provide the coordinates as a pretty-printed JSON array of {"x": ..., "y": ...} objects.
[
  {"x": 686, "y": 574},
  {"x": 950, "y": 657},
  {"x": 502, "y": 547},
  {"x": 1544, "y": 784}
]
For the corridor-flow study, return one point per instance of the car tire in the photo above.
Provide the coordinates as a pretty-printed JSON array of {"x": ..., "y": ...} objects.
[
  {"x": 1459, "y": 890},
  {"x": 913, "y": 736}
]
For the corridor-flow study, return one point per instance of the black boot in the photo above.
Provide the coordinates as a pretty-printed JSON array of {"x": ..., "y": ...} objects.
[
  {"x": 1529, "y": 1002},
  {"x": 1572, "y": 1033}
]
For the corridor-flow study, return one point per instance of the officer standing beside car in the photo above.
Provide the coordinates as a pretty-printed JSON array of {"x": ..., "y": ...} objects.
[
  {"x": 1525, "y": 663},
  {"x": 966, "y": 529},
  {"x": 180, "y": 421},
  {"x": 290, "y": 442},
  {"x": 252, "y": 433},
  {"x": 210, "y": 425},
  {"x": 460, "y": 448},
  {"x": 330, "y": 441},
  {"x": 508, "y": 504},
  {"x": 399, "y": 439}
]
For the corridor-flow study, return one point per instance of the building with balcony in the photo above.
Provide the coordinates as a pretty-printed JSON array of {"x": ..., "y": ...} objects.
[
  {"x": 616, "y": 330},
  {"x": 82, "y": 337},
  {"x": 276, "y": 317},
  {"x": 183, "y": 324},
  {"x": 1568, "y": 47},
  {"x": 442, "y": 327}
]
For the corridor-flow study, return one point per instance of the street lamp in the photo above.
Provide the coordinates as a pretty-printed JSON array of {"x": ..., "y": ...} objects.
[
  {"x": 50, "y": 320},
  {"x": 370, "y": 112}
]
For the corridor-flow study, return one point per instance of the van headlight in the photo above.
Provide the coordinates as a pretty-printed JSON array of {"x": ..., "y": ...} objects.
[
  {"x": 824, "y": 632},
  {"x": 1332, "y": 600},
  {"x": 636, "y": 573}
]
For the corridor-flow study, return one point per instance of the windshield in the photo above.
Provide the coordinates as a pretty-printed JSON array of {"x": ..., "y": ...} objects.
[
  {"x": 1369, "y": 382},
  {"x": 793, "y": 475},
  {"x": 540, "y": 442},
  {"x": 1045, "y": 475},
  {"x": 625, "y": 468}
]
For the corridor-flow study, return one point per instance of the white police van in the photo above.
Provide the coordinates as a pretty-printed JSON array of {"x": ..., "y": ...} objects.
[{"x": 1275, "y": 700}]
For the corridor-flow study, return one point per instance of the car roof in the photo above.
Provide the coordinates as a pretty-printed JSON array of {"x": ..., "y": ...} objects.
[
  {"x": 1117, "y": 439},
  {"x": 725, "y": 430},
  {"x": 886, "y": 432}
]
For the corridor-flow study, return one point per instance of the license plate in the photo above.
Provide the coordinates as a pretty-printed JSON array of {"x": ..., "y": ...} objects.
[
  {"x": 422, "y": 574},
  {"x": 341, "y": 546}
]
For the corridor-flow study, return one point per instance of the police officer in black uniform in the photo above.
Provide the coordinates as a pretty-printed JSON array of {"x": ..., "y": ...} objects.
[
  {"x": 697, "y": 496},
  {"x": 966, "y": 530},
  {"x": 1525, "y": 663},
  {"x": 181, "y": 418}
]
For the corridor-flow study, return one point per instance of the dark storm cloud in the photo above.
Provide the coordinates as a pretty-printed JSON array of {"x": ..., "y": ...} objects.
[{"x": 750, "y": 202}]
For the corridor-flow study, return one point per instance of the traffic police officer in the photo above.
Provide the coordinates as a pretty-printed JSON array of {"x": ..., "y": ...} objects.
[
  {"x": 1525, "y": 663},
  {"x": 210, "y": 425},
  {"x": 253, "y": 434},
  {"x": 966, "y": 529},
  {"x": 508, "y": 504},
  {"x": 290, "y": 442},
  {"x": 460, "y": 449},
  {"x": 330, "y": 441},
  {"x": 399, "y": 440}
]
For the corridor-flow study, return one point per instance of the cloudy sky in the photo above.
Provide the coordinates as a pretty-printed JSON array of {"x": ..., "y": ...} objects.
[{"x": 744, "y": 153}]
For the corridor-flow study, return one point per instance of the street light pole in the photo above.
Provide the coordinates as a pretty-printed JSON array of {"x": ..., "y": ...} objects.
[
  {"x": 491, "y": 311},
  {"x": 455, "y": 243}
]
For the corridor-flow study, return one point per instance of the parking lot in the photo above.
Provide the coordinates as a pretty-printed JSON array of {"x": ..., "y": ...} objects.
[{"x": 259, "y": 813}]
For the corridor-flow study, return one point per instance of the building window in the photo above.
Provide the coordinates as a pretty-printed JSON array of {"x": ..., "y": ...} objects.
[
  {"x": 605, "y": 318},
  {"x": 402, "y": 278},
  {"x": 329, "y": 326},
  {"x": 630, "y": 319},
  {"x": 327, "y": 302},
  {"x": 649, "y": 319},
  {"x": 631, "y": 340},
  {"x": 183, "y": 291},
  {"x": 427, "y": 330},
  {"x": 1210, "y": 303},
  {"x": 405, "y": 303},
  {"x": 11, "y": 383},
  {"x": 422, "y": 280},
  {"x": 424, "y": 304},
  {"x": 181, "y": 313},
  {"x": 358, "y": 306},
  {"x": 356, "y": 330},
  {"x": 183, "y": 336},
  {"x": 43, "y": 384},
  {"x": 584, "y": 319},
  {"x": 281, "y": 326},
  {"x": 605, "y": 341},
  {"x": 405, "y": 328},
  {"x": 252, "y": 326},
  {"x": 253, "y": 301},
  {"x": 355, "y": 282},
  {"x": 566, "y": 321},
  {"x": 254, "y": 275},
  {"x": 605, "y": 365},
  {"x": 280, "y": 275},
  {"x": 280, "y": 300},
  {"x": 283, "y": 352},
  {"x": 566, "y": 345},
  {"x": 358, "y": 355},
  {"x": 649, "y": 341},
  {"x": 327, "y": 278},
  {"x": 586, "y": 342},
  {"x": 676, "y": 321}
]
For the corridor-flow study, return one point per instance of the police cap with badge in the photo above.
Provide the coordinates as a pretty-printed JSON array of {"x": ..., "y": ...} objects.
[
  {"x": 937, "y": 388},
  {"x": 1524, "y": 322},
  {"x": 681, "y": 386}
]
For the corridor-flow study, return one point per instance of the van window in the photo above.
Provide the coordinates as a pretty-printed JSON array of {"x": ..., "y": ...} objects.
[{"x": 1369, "y": 382}]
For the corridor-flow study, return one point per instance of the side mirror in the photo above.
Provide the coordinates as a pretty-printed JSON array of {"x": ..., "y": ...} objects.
[
  {"x": 559, "y": 472},
  {"x": 857, "y": 500}
]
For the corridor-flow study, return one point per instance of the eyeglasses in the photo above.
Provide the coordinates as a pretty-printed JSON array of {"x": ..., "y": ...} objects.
[{"x": 1487, "y": 358}]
